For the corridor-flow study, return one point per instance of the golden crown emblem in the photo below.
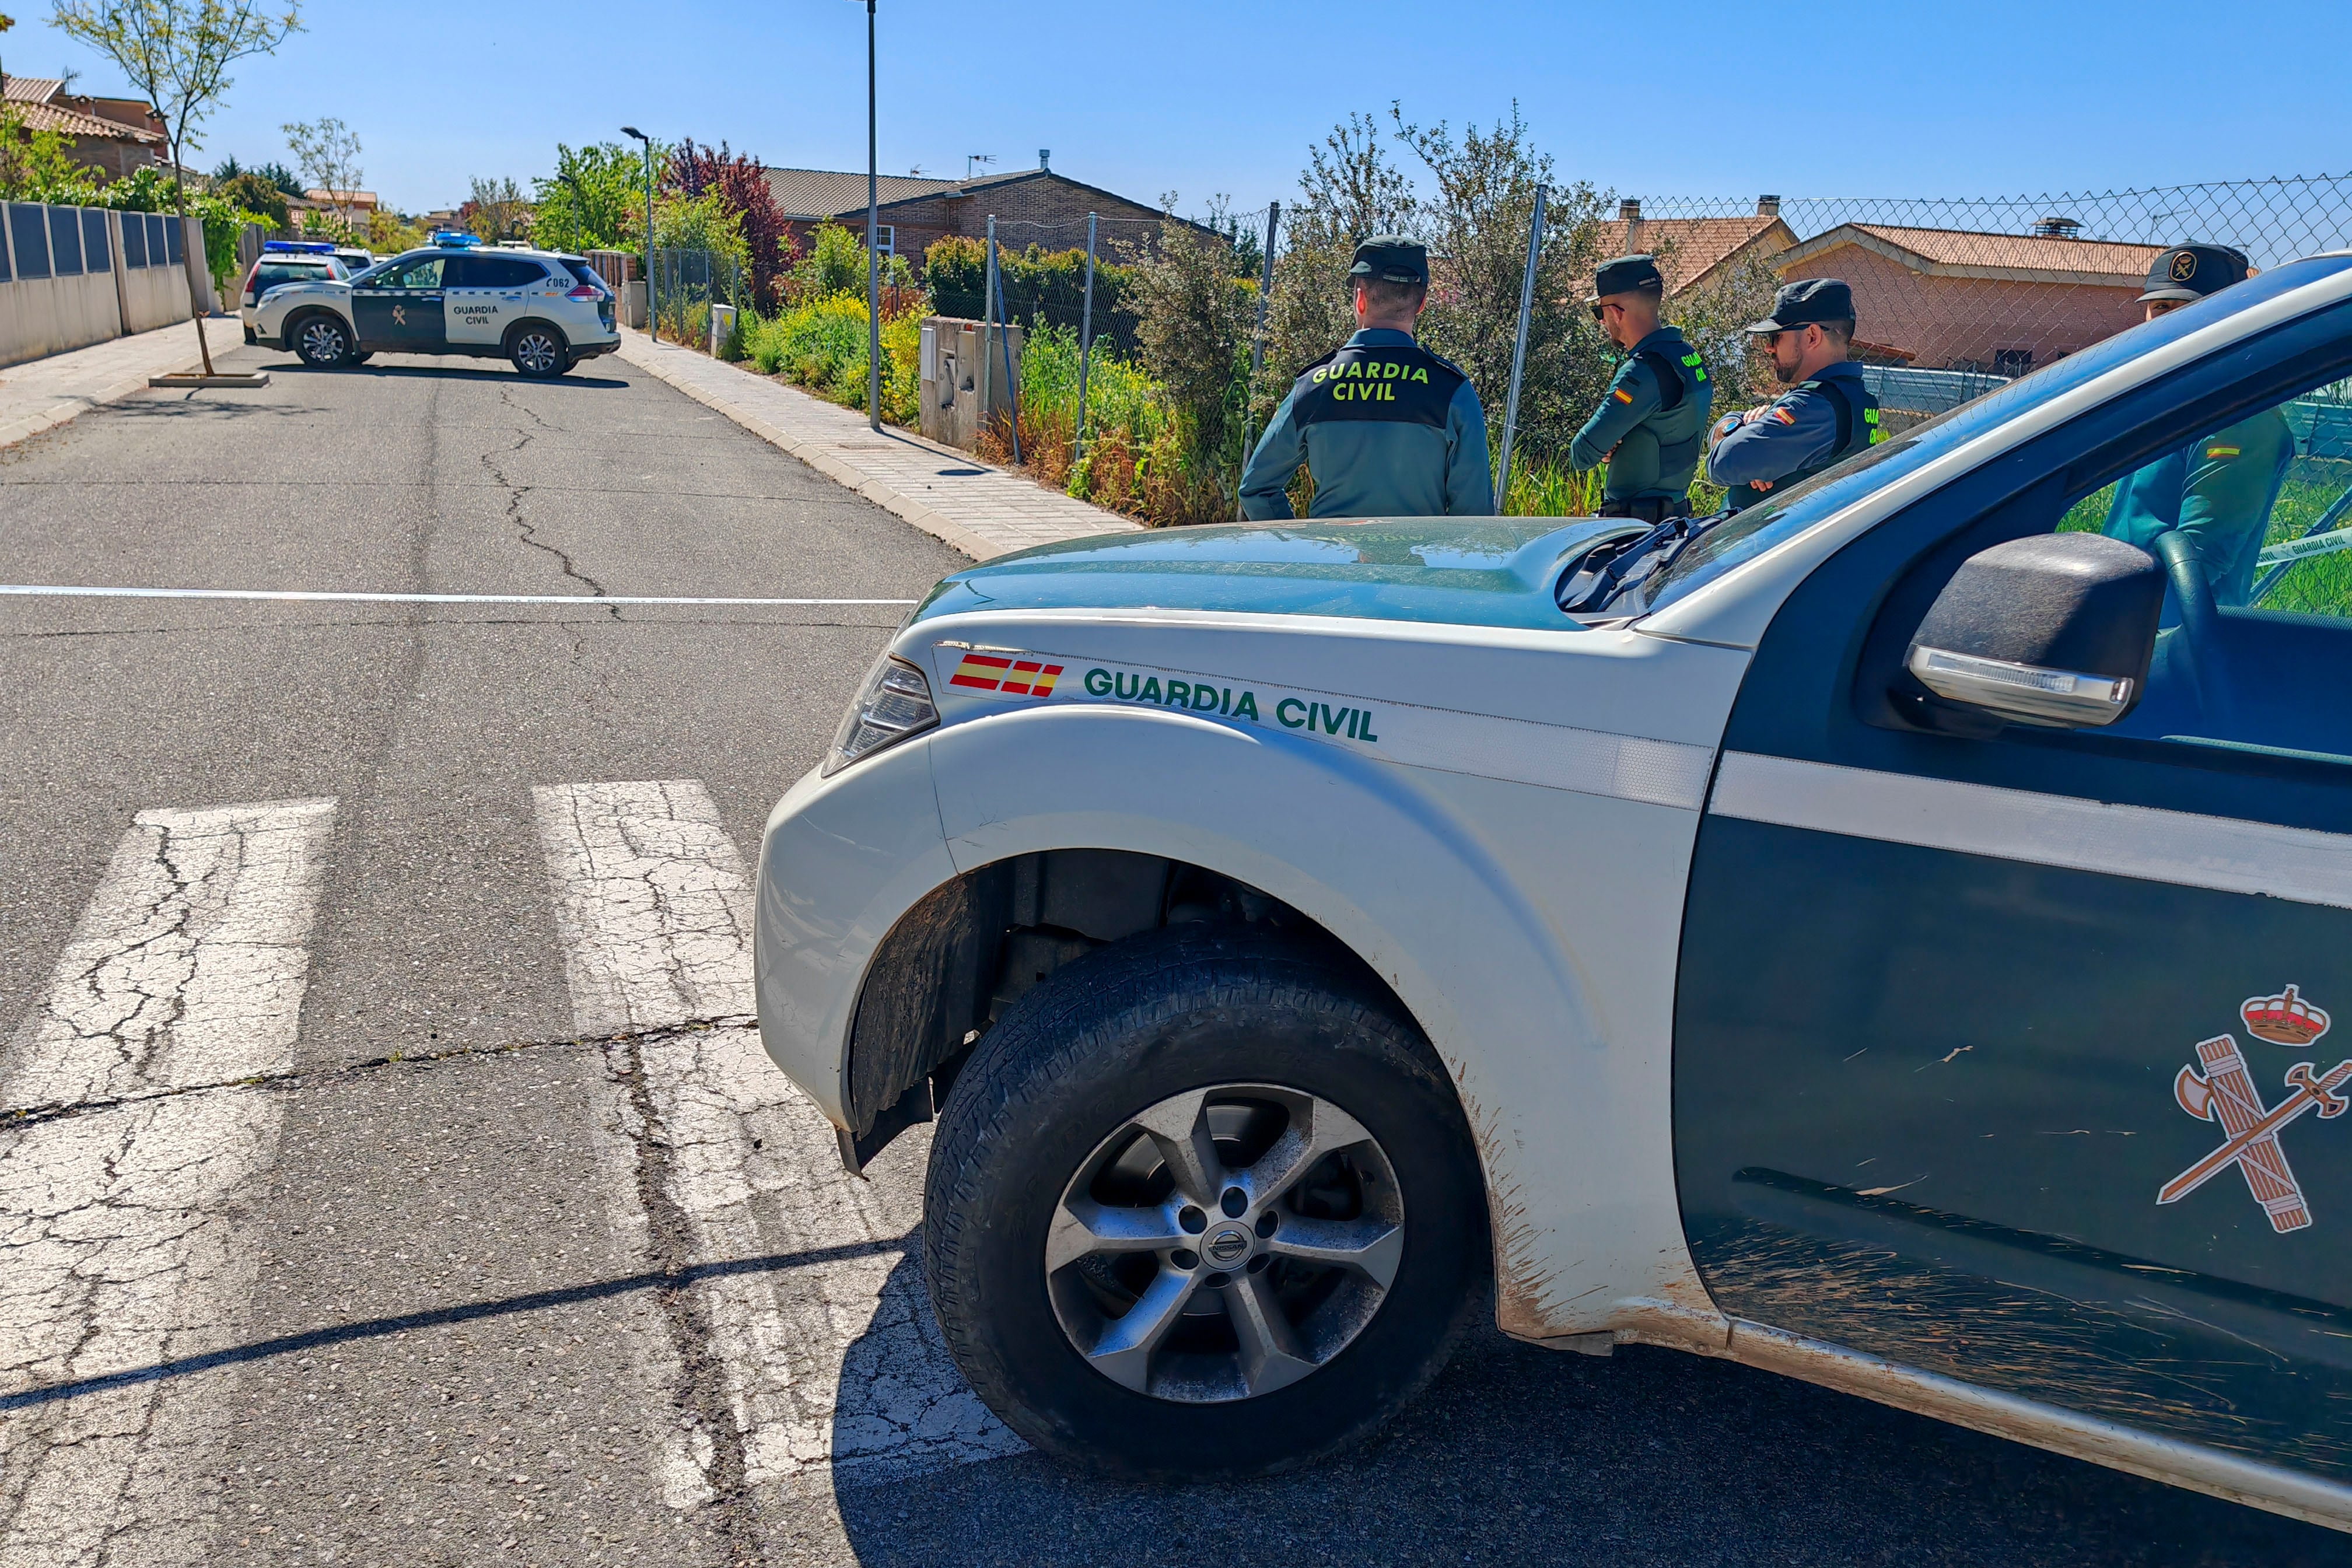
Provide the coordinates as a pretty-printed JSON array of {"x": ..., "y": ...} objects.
[{"x": 2285, "y": 1019}]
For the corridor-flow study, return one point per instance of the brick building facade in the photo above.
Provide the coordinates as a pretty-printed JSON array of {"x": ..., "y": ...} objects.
[
  {"x": 1033, "y": 207},
  {"x": 1954, "y": 299},
  {"x": 114, "y": 136}
]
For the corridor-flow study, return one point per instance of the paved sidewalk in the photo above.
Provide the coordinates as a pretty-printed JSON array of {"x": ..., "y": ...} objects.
[
  {"x": 982, "y": 511},
  {"x": 43, "y": 393}
]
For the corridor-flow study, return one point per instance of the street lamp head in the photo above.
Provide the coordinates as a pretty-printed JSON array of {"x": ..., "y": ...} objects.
[{"x": 633, "y": 131}]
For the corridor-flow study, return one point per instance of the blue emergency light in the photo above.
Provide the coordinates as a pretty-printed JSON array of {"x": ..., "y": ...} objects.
[
  {"x": 299, "y": 247},
  {"x": 452, "y": 240}
]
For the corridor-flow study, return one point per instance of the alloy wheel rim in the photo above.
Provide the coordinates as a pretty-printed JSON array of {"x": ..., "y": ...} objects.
[
  {"x": 321, "y": 342},
  {"x": 535, "y": 349},
  {"x": 1224, "y": 1243}
]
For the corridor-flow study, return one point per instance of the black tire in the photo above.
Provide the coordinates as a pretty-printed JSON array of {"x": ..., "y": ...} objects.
[
  {"x": 539, "y": 351},
  {"x": 320, "y": 339},
  {"x": 1119, "y": 1031},
  {"x": 362, "y": 356}
]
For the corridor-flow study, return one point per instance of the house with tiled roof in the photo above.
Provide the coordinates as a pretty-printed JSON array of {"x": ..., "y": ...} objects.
[
  {"x": 1697, "y": 252},
  {"x": 1032, "y": 207},
  {"x": 1966, "y": 299},
  {"x": 115, "y": 136}
]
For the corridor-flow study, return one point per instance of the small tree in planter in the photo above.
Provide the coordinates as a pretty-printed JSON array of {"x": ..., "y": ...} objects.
[{"x": 177, "y": 53}]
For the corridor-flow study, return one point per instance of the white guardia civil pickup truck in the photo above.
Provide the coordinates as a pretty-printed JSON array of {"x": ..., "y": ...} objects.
[{"x": 1889, "y": 938}]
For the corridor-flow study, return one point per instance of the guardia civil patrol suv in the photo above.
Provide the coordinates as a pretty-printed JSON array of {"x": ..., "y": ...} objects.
[
  {"x": 1895, "y": 937},
  {"x": 542, "y": 311}
]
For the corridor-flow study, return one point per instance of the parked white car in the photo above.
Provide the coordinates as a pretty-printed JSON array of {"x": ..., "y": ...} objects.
[
  {"x": 542, "y": 311},
  {"x": 1887, "y": 937}
]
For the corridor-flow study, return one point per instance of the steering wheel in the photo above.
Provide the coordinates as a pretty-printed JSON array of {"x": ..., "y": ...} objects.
[{"x": 2198, "y": 649}]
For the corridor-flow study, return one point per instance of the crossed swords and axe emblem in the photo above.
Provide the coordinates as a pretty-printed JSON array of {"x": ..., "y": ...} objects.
[{"x": 2225, "y": 1092}]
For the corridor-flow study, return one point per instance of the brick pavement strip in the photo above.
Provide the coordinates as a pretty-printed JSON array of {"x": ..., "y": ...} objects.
[
  {"x": 982, "y": 513},
  {"x": 44, "y": 393}
]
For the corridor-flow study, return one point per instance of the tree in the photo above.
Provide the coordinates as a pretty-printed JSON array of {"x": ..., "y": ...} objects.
[
  {"x": 497, "y": 210},
  {"x": 595, "y": 200},
  {"x": 1195, "y": 316},
  {"x": 39, "y": 166},
  {"x": 327, "y": 153},
  {"x": 177, "y": 54},
  {"x": 248, "y": 190},
  {"x": 742, "y": 185}
]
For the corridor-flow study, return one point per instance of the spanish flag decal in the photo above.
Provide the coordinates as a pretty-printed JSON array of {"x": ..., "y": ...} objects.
[{"x": 1008, "y": 676}]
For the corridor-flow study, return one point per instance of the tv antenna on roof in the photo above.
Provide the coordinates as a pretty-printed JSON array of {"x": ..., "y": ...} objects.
[{"x": 972, "y": 158}]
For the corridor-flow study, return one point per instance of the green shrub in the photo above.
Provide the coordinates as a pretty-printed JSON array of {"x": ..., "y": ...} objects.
[
  {"x": 834, "y": 264},
  {"x": 821, "y": 345}
]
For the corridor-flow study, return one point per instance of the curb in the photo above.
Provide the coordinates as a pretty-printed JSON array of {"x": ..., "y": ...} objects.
[{"x": 938, "y": 524}]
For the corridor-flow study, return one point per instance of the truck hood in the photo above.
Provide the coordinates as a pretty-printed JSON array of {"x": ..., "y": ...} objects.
[{"x": 1475, "y": 572}]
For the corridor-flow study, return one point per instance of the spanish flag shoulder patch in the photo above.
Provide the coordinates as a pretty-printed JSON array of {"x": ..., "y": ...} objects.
[
  {"x": 2224, "y": 451},
  {"x": 1621, "y": 394}
]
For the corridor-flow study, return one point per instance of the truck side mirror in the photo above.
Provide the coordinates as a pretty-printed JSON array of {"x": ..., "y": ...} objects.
[{"x": 2054, "y": 629}]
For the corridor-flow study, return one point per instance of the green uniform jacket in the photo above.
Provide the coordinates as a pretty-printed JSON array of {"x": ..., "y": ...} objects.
[
  {"x": 1387, "y": 429},
  {"x": 1656, "y": 449},
  {"x": 2218, "y": 490}
]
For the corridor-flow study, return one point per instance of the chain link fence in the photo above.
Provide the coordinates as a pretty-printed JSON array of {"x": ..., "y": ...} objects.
[
  {"x": 1954, "y": 297},
  {"x": 687, "y": 284}
]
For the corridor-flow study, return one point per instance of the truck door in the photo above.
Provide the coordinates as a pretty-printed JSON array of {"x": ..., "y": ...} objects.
[
  {"x": 485, "y": 295},
  {"x": 399, "y": 310},
  {"x": 2021, "y": 1055}
]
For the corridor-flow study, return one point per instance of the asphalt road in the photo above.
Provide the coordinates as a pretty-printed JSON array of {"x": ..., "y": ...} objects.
[{"x": 394, "y": 1178}]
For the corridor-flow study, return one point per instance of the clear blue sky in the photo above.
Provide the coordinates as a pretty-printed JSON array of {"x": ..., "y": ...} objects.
[{"x": 1987, "y": 97}]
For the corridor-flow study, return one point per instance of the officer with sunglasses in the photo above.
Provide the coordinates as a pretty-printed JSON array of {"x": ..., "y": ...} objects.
[
  {"x": 1826, "y": 416},
  {"x": 1651, "y": 426}
]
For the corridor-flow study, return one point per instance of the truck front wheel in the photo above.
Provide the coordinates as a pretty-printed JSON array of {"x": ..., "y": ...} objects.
[{"x": 1203, "y": 1204}]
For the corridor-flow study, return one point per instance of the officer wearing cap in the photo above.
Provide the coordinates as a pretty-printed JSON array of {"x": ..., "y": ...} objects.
[
  {"x": 1652, "y": 423},
  {"x": 2219, "y": 488},
  {"x": 1826, "y": 416},
  {"x": 1386, "y": 427}
]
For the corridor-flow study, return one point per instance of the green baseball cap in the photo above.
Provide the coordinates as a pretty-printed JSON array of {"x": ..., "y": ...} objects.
[{"x": 1392, "y": 258}]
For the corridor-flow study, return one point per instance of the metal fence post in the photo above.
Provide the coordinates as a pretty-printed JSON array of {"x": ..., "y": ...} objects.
[
  {"x": 1086, "y": 344},
  {"x": 1258, "y": 339},
  {"x": 1001, "y": 322},
  {"x": 987, "y": 321},
  {"x": 1519, "y": 354}
]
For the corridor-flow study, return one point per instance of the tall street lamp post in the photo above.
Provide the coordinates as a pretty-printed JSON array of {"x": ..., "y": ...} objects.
[
  {"x": 651, "y": 319},
  {"x": 873, "y": 256}
]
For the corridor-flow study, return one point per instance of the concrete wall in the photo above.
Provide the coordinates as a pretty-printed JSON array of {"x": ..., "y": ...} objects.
[{"x": 60, "y": 297}]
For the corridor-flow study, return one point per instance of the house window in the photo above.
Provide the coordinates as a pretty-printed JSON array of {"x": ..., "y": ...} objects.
[
  {"x": 2011, "y": 362},
  {"x": 886, "y": 239}
]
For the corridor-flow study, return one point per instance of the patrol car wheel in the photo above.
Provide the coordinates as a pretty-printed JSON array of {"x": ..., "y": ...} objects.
[
  {"x": 322, "y": 342},
  {"x": 1203, "y": 1204},
  {"x": 539, "y": 351}
]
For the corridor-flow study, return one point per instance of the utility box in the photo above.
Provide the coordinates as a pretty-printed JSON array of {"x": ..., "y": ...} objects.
[
  {"x": 965, "y": 379},
  {"x": 722, "y": 327},
  {"x": 632, "y": 303}
]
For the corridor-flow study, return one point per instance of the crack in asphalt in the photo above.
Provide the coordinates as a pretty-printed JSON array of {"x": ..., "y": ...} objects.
[
  {"x": 703, "y": 1399},
  {"x": 526, "y": 531},
  {"x": 14, "y": 1118}
]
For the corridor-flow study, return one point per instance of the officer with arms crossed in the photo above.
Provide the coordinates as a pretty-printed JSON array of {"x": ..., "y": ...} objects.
[
  {"x": 1386, "y": 427},
  {"x": 1826, "y": 416},
  {"x": 1651, "y": 426},
  {"x": 2218, "y": 490}
]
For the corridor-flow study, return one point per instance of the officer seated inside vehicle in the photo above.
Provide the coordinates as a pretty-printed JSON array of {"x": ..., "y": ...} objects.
[{"x": 2216, "y": 490}]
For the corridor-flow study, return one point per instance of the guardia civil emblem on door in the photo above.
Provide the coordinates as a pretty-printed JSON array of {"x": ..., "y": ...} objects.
[{"x": 2219, "y": 1087}]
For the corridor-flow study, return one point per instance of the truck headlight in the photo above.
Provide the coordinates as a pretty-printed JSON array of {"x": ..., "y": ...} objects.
[{"x": 894, "y": 703}]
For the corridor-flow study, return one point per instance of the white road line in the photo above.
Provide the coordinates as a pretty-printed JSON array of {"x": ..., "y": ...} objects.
[
  {"x": 835, "y": 1364},
  {"x": 119, "y": 1232},
  {"x": 63, "y": 590}
]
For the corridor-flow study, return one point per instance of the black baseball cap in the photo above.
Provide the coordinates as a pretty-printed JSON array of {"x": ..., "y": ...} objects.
[
  {"x": 1625, "y": 275},
  {"x": 1804, "y": 304},
  {"x": 1392, "y": 258},
  {"x": 2193, "y": 271}
]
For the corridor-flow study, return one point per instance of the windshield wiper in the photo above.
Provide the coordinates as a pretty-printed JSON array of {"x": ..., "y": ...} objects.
[{"x": 1614, "y": 569}]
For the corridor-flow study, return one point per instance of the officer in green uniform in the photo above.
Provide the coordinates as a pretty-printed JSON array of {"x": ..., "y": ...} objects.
[
  {"x": 1651, "y": 426},
  {"x": 2219, "y": 488},
  {"x": 1386, "y": 427},
  {"x": 1826, "y": 416}
]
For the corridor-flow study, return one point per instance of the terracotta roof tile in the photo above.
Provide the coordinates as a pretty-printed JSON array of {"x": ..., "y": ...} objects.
[
  {"x": 66, "y": 121},
  {"x": 1692, "y": 247},
  {"x": 2027, "y": 252},
  {"x": 31, "y": 88}
]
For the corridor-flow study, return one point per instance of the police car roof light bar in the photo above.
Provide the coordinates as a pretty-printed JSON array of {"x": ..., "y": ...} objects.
[
  {"x": 299, "y": 247},
  {"x": 449, "y": 239}
]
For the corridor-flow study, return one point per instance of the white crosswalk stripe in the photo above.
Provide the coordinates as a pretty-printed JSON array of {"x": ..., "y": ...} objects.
[
  {"x": 119, "y": 1225},
  {"x": 833, "y": 1362}
]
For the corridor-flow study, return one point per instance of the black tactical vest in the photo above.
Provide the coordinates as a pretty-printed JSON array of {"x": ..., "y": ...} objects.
[
  {"x": 1403, "y": 384},
  {"x": 1857, "y": 426}
]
